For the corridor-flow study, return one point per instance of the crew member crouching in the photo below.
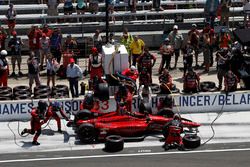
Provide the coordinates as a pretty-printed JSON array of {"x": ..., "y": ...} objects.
[
  {"x": 191, "y": 83},
  {"x": 166, "y": 82},
  {"x": 174, "y": 128},
  {"x": 52, "y": 112}
]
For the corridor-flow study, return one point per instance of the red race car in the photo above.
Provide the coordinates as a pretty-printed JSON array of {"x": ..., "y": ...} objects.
[{"x": 135, "y": 125}]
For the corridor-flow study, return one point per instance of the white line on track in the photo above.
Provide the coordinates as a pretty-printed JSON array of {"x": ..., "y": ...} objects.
[{"x": 121, "y": 155}]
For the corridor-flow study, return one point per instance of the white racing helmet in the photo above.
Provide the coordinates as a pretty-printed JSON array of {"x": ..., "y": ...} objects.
[{"x": 4, "y": 53}]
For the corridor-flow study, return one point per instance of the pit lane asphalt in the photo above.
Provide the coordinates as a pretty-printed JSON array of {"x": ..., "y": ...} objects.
[{"x": 216, "y": 155}]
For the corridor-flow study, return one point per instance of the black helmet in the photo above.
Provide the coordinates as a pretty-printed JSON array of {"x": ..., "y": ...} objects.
[
  {"x": 42, "y": 105},
  {"x": 88, "y": 101},
  {"x": 56, "y": 105}
]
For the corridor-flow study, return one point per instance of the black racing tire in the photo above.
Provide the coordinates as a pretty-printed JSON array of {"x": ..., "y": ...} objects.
[
  {"x": 83, "y": 115},
  {"x": 5, "y": 89},
  {"x": 61, "y": 87},
  {"x": 155, "y": 88},
  {"x": 4, "y": 98},
  {"x": 103, "y": 92},
  {"x": 7, "y": 95},
  {"x": 165, "y": 112},
  {"x": 207, "y": 86},
  {"x": 22, "y": 97},
  {"x": 22, "y": 93},
  {"x": 191, "y": 141},
  {"x": 21, "y": 88},
  {"x": 86, "y": 133},
  {"x": 42, "y": 96},
  {"x": 114, "y": 143},
  {"x": 41, "y": 88}
]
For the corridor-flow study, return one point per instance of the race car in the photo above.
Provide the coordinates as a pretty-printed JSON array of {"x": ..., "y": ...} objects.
[{"x": 128, "y": 125}]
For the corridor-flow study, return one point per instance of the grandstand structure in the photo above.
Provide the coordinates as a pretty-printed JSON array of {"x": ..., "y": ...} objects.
[{"x": 150, "y": 25}]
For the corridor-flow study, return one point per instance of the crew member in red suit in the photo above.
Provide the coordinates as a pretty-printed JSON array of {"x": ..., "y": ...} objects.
[
  {"x": 52, "y": 113},
  {"x": 146, "y": 60},
  {"x": 37, "y": 119},
  {"x": 144, "y": 77},
  {"x": 175, "y": 128},
  {"x": 131, "y": 73},
  {"x": 95, "y": 64},
  {"x": 3, "y": 37},
  {"x": 124, "y": 97},
  {"x": 165, "y": 80},
  {"x": 191, "y": 83},
  {"x": 4, "y": 68},
  {"x": 230, "y": 81}
]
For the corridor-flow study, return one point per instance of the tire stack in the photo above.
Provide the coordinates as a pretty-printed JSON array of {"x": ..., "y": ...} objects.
[
  {"x": 42, "y": 92},
  {"x": 5, "y": 93},
  {"x": 21, "y": 93},
  {"x": 60, "y": 91}
]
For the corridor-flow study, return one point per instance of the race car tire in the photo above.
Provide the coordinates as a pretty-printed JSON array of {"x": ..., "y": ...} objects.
[
  {"x": 191, "y": 141},
  {"x": 21, "y": 93},
  {"x": 7, "y": 95},
  {"x": 21, "y": 88},
  {"x": 4, "y": 98},
  {"x": 114, "y": 143},
  {"x": 103, "y": 92},
  {"x": 5, "y": 89},
  {"x": 86, "y": 133},
  {"x": 42, "y": 96},
  {"x": 166, "y": 113},
  {"x": 208, "y": 86},
  {"x": 22, "y": 97},
  {"x": 155, "y": 88},
  {"x": 41, "y": 88},
  {"x": 61, "y": 87},
  {"x": 83, "y": 114}
]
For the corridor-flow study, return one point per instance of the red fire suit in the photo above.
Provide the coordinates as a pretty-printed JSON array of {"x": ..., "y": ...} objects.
[
  {"x": 2, "y": 40},
  {"x": 37, "y": 119},
  {"x": 191, "y": 83},
  {"x": 130, "y": 74},
  {"x": 95, "y": 66},
  {"x": 145, "y": 61},
  {"x": 127, "y": 98},
  {"x": 4, "y": 71},
  {"x": 166, "y": 83},
  {"x": 53, "y": 114}
]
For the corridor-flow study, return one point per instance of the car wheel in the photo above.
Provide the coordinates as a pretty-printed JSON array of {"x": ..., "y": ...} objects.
[
  {"x": 103, "y": 92},
  {"x": 155, "y": 88},
  {"x": 22, "y": 97},
  {"x": 191, "y": 141},
  {"x": 114, "y": 143},
  {"x": 83, "y": 114},
  {"x": 21, "y": 88},
  {"x": 208, "y": 86},
  {"x": 86, "y": 133},
  {"x": 21, "y": 92},
  {"x": 5, "y": 89},
  {"x": 6, "y": 95}
]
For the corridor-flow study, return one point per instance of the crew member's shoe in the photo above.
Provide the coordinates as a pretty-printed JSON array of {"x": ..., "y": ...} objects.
[
  {"x": 24, "y": 131},
  {"x": 35, "y": 143},
  {"x": 59, "y": 131},
  {"x": 20, "y": 73}
]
